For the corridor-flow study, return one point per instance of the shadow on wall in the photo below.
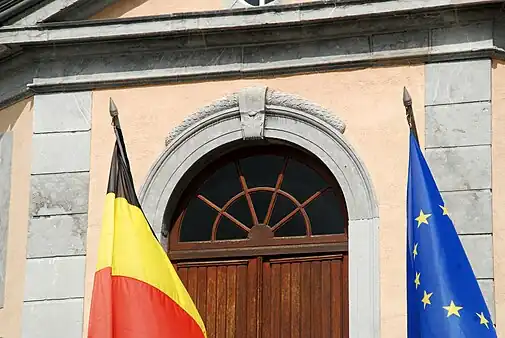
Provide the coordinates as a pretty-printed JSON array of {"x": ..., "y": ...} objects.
[{"x": 10, "y": 115}]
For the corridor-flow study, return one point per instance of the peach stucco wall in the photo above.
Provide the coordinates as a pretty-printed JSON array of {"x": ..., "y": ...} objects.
[
  {"x": 498, "y": 181},
  {"x": 18, "y": 119},
  {"x": 138, "y": 8},
  {"x": 369, "y": 101}
]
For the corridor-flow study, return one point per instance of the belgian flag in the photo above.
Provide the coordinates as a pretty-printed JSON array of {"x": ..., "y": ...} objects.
[{"x": 137, "y": 292}]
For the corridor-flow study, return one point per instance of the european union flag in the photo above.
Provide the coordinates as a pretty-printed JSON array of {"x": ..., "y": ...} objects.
[{"x": 443, "y": 297}]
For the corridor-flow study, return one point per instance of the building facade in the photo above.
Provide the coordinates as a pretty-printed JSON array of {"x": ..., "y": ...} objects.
[{"x": 269, "y": 147}]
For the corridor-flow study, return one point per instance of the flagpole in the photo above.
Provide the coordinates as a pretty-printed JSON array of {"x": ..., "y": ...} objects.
[{"x": 409, "y": 112}]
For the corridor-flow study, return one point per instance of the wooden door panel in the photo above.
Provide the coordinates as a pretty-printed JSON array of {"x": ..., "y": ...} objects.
[
  {"x": 304, "y": 297},
  {"x": 225, "y": 294}
]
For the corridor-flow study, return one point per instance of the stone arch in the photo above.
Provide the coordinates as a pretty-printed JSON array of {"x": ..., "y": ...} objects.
[{"x": 262, "y": 113}]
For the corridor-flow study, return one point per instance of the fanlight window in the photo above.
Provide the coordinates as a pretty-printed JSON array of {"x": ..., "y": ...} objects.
[{"x": 262, "y": 195}]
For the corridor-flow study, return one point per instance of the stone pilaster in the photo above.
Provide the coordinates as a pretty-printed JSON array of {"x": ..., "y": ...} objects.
[
  {"x": 56, "y": 246},
  {"x": 5, "y": 194},
  {"x": 458, "y": 149}
]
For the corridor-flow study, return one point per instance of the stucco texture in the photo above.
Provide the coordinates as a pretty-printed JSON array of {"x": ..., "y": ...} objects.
[
  {"x": 370, "y": 103},
  {"x": 139, "y": 8},
  {"x": 498, "y": 184},
  {"x": 17, "y": 119}
]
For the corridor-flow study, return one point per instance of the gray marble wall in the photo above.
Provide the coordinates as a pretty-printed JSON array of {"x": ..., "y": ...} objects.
[
  {"x": 5, "y": 194},
  {"x": 458, "y": 150},
  {"x": 56, "y": 247}
]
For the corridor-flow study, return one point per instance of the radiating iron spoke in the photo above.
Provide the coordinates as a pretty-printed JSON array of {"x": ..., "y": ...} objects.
[
  {"x": 278, "y": 185},
  {"x": 300, "y": 208},
  {"x": 247, "y": 195},
  {"x": 224, "y": 213}
]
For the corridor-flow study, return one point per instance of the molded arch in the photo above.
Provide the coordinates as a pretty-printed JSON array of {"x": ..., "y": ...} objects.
[{"x": 279, "y": 117}]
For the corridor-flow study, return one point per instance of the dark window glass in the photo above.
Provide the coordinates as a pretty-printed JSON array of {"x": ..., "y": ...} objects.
[
  {"x": 294, "y": 227},
  {"x": 240, "y": 210},
  {"x": 325, "y": 213},
  {"x": 262, "y": 170},
  {"x": 197, "y": 222},
  {"x": 229, "y": 230},
  {"x": 222, "y": 185},
  {"x": 261, "y": 173},
  {"x": 261, "y": 201},
  {"x": 302, "y": 181},
  {"x": 283, "y": 206}
]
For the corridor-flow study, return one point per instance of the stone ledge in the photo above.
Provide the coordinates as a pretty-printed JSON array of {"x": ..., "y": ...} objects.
[
  {"x": 220, "y": 20},
  {"x": 383, "y": 40}
]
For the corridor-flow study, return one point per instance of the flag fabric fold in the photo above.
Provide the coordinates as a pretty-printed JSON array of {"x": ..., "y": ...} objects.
[
  {"x": 443, "y": 296},
  {"x": 137, "y": 292}
]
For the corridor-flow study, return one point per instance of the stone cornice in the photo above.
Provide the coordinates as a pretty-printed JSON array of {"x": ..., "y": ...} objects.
[
  {"x": 458, "y": 31},
  {"x": 185, "y": 23}
]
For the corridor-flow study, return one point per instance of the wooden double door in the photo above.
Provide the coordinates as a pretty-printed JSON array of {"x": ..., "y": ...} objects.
[{"x": 302, "y": 296}]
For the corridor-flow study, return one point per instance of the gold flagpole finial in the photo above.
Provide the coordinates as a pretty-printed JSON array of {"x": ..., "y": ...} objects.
[
  {"x": 409, "y": 112},
  {"x": 114, "y": 114}
]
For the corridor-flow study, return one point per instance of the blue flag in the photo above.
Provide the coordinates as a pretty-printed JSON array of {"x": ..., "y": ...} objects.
[{"x": 443, "y": 297}]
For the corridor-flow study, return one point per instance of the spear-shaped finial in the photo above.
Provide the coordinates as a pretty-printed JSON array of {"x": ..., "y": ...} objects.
[
  {"x": 114, "y": 113},
  {"x": 409, "y": 112},
  {"x": 407, "y": 100}
]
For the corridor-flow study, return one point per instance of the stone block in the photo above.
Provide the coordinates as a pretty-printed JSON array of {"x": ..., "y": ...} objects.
[
  {"x": 50, "y": 236},
  {"x": 412, "y": 41},
  {"x": 5, "y": 195},
  {"x": 462, "y": 37},
  {"x": 479, "y": 249},
  {"x": 61, "y": 152},
  {"x": 487, "y": 288},
  {"x": 470, "y": 211},
  {"x": 458, "y": 125},
  {"x": 295, "y": 53},
  {"x": 461, "y": 168},
  {"x": 62, "y": 112},
  {"x": 59, "y": 194},
  {"x": 458, "y": 82},
  {"x": 53, "y": 319},
  {"x": 54, "y": 278}
]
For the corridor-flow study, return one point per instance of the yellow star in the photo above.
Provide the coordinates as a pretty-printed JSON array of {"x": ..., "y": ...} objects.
[
  {"x": 444, "y": 210},
  {"x": 422, "y": 218},
  {"x": 414, "y": 252},
  {"x": 417, "y": 281},
  {"x": 483, "y": 319},
  {"x": 426, "y": 298},
  {"x": 452, "y": 309}
]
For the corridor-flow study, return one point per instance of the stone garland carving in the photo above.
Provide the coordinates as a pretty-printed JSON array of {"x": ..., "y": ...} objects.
[{"x": 273, "y": 98}]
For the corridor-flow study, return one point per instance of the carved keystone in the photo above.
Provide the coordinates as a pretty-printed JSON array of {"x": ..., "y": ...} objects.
[{"x": 252, "y": 112}]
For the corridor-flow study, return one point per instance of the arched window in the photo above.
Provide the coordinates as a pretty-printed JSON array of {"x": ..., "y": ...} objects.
[{"x": 261, "y": 196}]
